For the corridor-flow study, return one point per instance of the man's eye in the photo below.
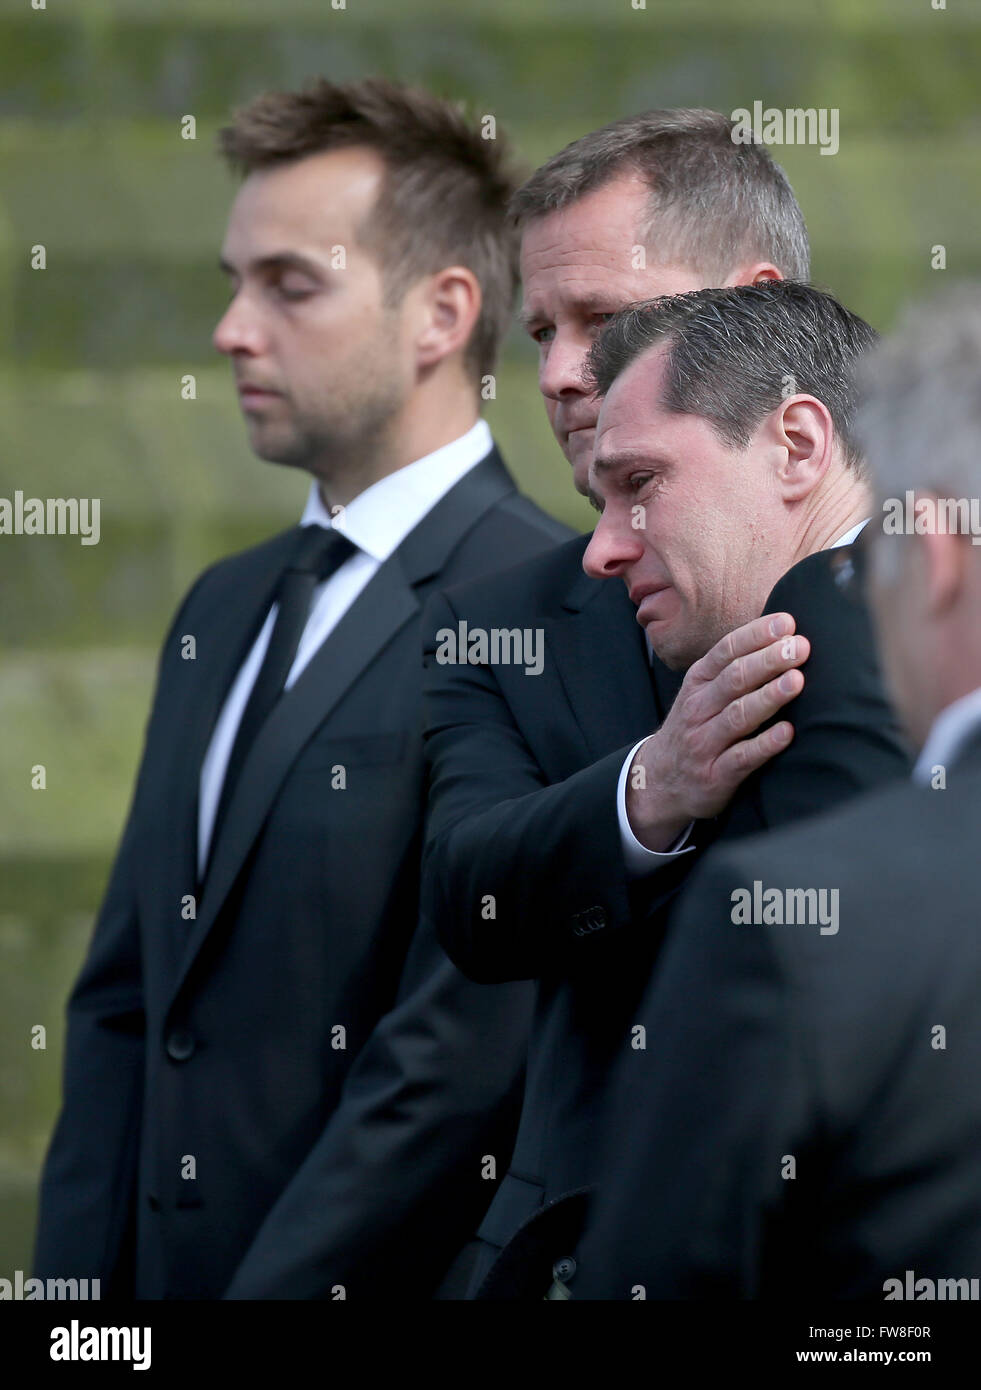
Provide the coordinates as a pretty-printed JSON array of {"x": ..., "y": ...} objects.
[
  {"x": 293, "y": 292},
  {"x": 539, "y": 335},
  {"x": 637, "y": 481}
]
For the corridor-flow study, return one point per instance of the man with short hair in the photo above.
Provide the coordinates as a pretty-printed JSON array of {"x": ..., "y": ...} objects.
[
  {"x": 275, "y": 1086},
  {"x": 807, "y": 1120},
  {"x": 537, "y": 865}
]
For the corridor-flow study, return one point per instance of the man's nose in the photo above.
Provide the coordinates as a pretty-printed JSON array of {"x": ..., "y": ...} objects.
[
  {"x": 560, "y": 372},
  {"x": 612, "y": 549},
  {"x": 238, "y": 330}
]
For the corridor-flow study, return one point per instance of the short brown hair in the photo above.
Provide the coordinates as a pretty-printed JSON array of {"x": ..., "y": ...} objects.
[
  {"x": 733, "y": 354},
  {"x": 444, "y": 196},
  {"x": 715, "y": 202}
]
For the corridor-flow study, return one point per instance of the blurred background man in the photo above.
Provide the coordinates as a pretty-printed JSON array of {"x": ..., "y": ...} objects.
[
  {"x": 805, "y": 1119},
  {"x": 258, "y": 935}
]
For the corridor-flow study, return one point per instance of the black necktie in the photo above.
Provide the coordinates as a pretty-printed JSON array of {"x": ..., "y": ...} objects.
[{"x": 318, "y": 554}]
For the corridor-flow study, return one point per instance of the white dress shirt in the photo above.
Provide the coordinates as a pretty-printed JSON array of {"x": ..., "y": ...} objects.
[
  {"x": 638, "y": 858},
  {"x": 951, "y": 729},
  {"x": 377, "y": 521}
]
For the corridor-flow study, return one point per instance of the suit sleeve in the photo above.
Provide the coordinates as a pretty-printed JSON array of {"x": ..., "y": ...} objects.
[
  {"x": 517, "y": 874},
  {"x": 89, "y": 1178},
  {"x": 398, "y": 1182}
]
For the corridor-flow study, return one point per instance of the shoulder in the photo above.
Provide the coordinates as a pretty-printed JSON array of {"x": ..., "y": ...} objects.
[
  {"x": 816, "y": 589},
  {"x": 843, "y": 665},
  {"x": 510, "y": 518},
  {"x": 225, "y": 576},
  {"x": 515, "y": 529},
  {"x": 535, "y": 583},
  {"x": 899, "y": 863}
]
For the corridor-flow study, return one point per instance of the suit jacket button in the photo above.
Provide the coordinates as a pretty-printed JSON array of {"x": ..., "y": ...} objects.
[
  {"x": 564, "y": 1269},
  {"x": 180, "y": 1045},
  {"x": 592, "y": 919}
]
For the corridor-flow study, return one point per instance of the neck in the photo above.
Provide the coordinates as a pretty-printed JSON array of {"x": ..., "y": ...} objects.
[
  {"x": 842, "y": 504},
  {"x": 431, "y": 418}
]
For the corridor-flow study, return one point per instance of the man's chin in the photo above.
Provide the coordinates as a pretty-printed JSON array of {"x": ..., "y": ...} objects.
[
  {"x": 580, "y": 456},
  {"x": 675, "y": 650},
  {"x": 284, "y": 454}
]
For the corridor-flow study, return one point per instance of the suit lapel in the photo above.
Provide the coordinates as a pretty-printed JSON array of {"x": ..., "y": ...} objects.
[
  {"x": 382, "y": 608},
  {"x": 222, "y": 642},
  {"x": 601, "y": 659}
]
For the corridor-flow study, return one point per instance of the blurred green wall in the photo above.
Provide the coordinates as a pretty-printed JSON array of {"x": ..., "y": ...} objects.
[{"x": 92, "y": 349}]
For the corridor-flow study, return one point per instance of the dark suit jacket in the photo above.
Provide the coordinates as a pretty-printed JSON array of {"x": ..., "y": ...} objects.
[
  {"x": 312, "y": 1060},
  {"x": 769, "y": 1042},
  {"x": 524, "y": 771}
]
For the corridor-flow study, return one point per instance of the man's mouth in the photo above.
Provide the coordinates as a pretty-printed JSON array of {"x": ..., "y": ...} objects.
[
  {"x": 249, "y": 393},
  {"x": 647, "y": 599}
]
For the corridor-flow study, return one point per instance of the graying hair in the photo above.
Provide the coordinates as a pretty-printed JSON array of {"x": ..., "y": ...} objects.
[
  {"x": 715, "y": 203},
  {"x": 735, "y": 353},
  {"x": 919, "y": 415}
]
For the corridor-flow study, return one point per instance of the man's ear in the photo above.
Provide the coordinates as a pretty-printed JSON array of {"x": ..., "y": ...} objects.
[
  {"x": 753, "y": 273},
  {"x": 942, "y": 558},
  {"x": 803, "y": 432},
  {"x": 449, "y": 306}
]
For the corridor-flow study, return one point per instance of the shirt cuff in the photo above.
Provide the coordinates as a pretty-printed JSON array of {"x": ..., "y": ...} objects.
[{"x": 638, "y": 858}]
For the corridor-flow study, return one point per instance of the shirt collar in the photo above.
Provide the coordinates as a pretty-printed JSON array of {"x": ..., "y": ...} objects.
[
  {"x": 379, "y": 519},
  {"x": 948, "y": 734},
  {"x": 849, "y": 536}
]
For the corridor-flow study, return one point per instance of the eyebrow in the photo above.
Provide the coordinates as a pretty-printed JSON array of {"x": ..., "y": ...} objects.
[
  {"x": 526, "y": 317},
  {"x": 279, "y": 260},
  {"x": 614, "y": 461},
  {"x": 590, "y": 304}
]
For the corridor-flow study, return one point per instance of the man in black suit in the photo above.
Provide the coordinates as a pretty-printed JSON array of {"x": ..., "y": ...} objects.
[
  {"x": 723, "y": 461},
  {"x": 804, "y": 1121},
  {"x": 274, "y": 1085}
]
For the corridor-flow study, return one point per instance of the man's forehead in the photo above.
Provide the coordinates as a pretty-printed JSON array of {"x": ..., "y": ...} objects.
[
  {"x": 581, "y": 280},
  {"x": 638, "y": 385},
  {"x": 629, "y": 407},
  {"x": 316, "y": 193}
]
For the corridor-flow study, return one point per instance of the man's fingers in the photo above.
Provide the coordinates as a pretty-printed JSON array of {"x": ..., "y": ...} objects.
[
  {"x": 761, "y": 632},
  {"x": 750, "y": 673},
  {"x": 742, "y": 716},
  {"x": 734, "y": 765}
]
